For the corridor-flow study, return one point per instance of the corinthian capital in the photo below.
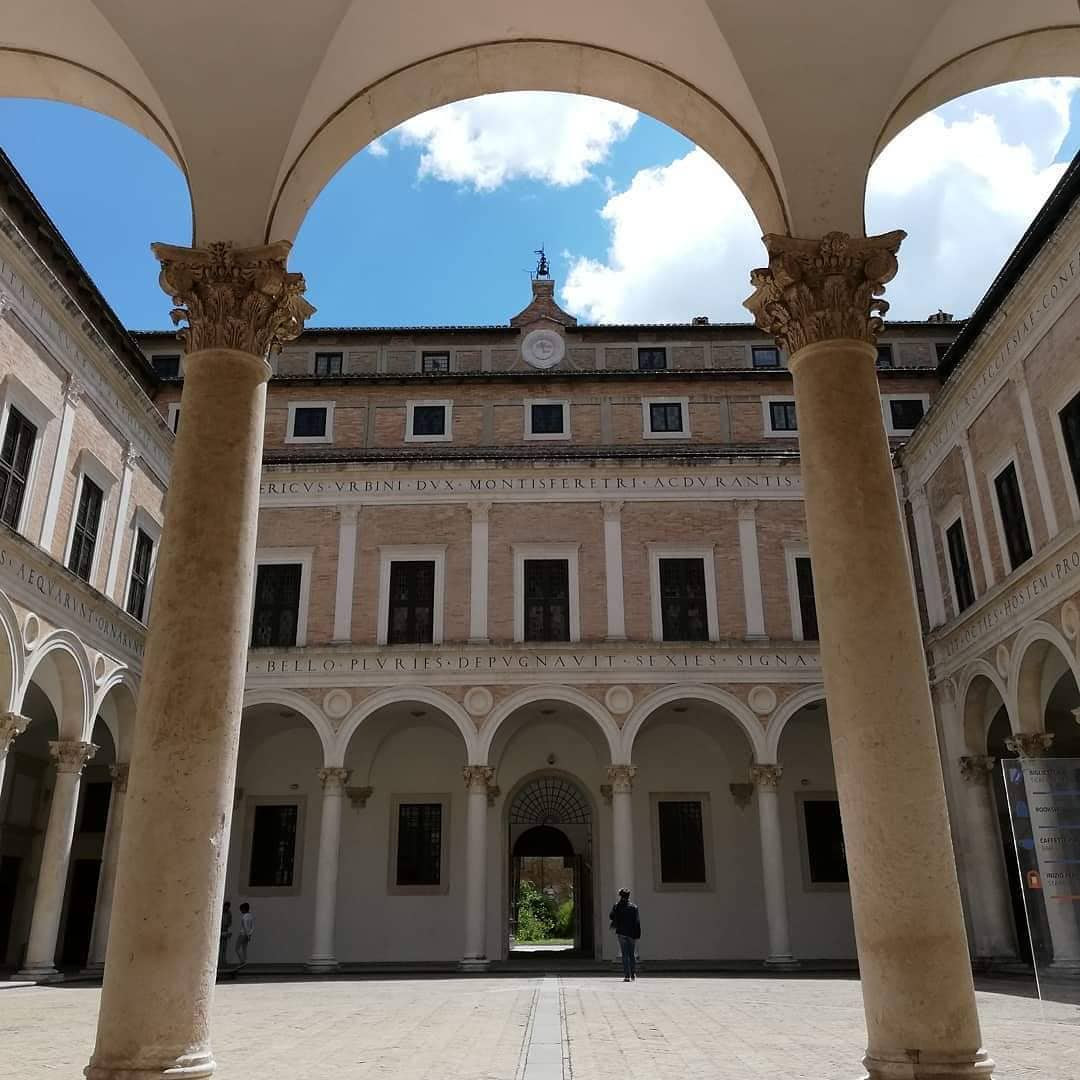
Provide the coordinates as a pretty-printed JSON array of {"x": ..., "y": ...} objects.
[
  {"x": 621, "y": 778},
  {"x": 766, "y": 777},
  {"x": 233, "y": 298},
  {"x": 478, "y": 777},
  {"x": 70, "y": 756},
  {"x": 818, "y": 290},
  {"x": 977, "y": 769},
  {"x": 12, "y": 725},
  {"x": 1030, "y": 744}
]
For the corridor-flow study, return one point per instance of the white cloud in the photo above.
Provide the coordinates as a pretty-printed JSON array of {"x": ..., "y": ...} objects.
[
  {"x": 485, "y": 142},
  {"x": 377, "y": 148},
  {"x": 964, "y": 182}
]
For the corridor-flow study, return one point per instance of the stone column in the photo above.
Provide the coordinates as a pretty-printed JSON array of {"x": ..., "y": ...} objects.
[
  {"x": 478, "y": 590},
  {"x": 928, "y": 560},
  {"x": 73, "y": 390},
  {"x": 818, "y": 298},
  {"x": 1061, "y": 919},
  {"x": 991, "y": 912},
  {"x": 131, "y": 457},
  {"x": 621, "y": 778},
  {"x": 766, "y": 779},
  {"x": 70, "y": 757},
  {"x": 107, "y": 880},
  {"x": 154, "y": 1017},
  {"x": 975, "y": 494},
  {"x": 751, "y": 571},
  {"x": 12, "y": 725},
  {"x": 478, "y": 781},
  {"x": 348, "y": 521},
  {"x": 613, "y": 570},
  {"x": 323, "y": 953}
]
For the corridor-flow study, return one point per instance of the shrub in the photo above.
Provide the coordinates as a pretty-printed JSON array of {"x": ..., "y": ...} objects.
[
  {"x": 564, "y": 920},
  {"x": 535, "y": 914}
]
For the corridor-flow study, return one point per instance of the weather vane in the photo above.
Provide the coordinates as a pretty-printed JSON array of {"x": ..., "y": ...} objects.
[{"x": 542, "y": 263}]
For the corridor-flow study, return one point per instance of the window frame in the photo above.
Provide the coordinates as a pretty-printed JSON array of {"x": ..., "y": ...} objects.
[
  {"x": 297, "y": 799},
  {"x": 339, "y": 353},
  {"x": 142, "y": 520},
  {"x": 954, "y": 513},
  {"x": 277, "y": 557},
  {"x": 808, "y": 883},
  {"x": 1002, "y": 463},
  {"x": 1071, "y": 488},
  {"x": 794, "y": 550},
  {"x": 886, "y": 408},
  {"x": 89, "y": 464},
  {"x": 426, "y": 354},
  {"x": 173, "y": 418},
  {"x": 755, "y": 349},
  {"x": 448, "y": 411},
  {"x": 651, "y": 348},
  {"x": 391, "y": 553},
  {"x": 707, "y": 553},
  {"x": 766, "y": 416},
  {"x": 891, "y": 365},
  {"x": 163, "y": 355},
  {"x": 327, "y": 437},
  {"x": 703, "y": 797},
  {"x": 445, "y": 800},
  {"x": 545, "y": 436},
  {"x": 14, "y": 393},
  {"x": 522, "y": 553},
  {"x": 646, "y": 417}
]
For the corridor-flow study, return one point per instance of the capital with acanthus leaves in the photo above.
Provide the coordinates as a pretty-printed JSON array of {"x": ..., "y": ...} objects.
[
  {"x": 1030, "y": 744},
  {"x": 766, "y": 777},
  {"x": 621, "y": 778},
  {"x": 71, "y": 755}
]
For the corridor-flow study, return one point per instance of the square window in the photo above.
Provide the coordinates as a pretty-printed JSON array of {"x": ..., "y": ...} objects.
[
  {"x": 429, "y": 420},
  {"x": 419, "y": 844},
  {"x": 273, "y": 846},
  {"x": 1070, "y": 432},
  {"x": 961, "y": 568},
  {"x": 434, "y": 363},
  {"x": 328, "y": 363},
  {"x": 166, "y": 366},
  {"x": 547, "y": 419},
  {"x": 681, "y": 834},
  {"x": 547, "y": 600},
  {"x": 652, "y": 359},
  {"x": 16, "y": 453},
  {"x": 665, "y": 416},
  {"x": 825, "y": 853},
  {"x": 683, "y": 601},
  {"x": 765, "y": 356},
  {"x": 411, "y": 619},
  {"x": 277, "y": 605},
  {"x": 884, "y": 356},
  {"x": 1013, "y": 519},
  {"x": 940, "y": 349},
  {"x": 309, "y": 422},
  {"x": 782, "y": 416},
  {"x": 905, "y": 413}
]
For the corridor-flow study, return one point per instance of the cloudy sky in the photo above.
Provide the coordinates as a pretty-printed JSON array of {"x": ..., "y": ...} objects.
[{"x": 436, "y": 222}]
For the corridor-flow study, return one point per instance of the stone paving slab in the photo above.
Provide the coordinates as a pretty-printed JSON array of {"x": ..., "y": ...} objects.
[{"x": 662, "y": 1028}]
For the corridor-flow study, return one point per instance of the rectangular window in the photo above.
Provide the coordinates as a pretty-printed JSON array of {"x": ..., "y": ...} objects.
[
  {"x": 804, "y": 580},
  {"x": 309, "y": 422},
  {"x": 412, "y": 603},
  {"x": 884, "y": 356},
  {"x": 140, "y": 575},
  {"x": 277, "y": 604},
  {"x": 824, "y": 842},
  {"x": 429, "y": 420},
  {"x": 665, "y": 416},
  {"x": 547, "y": 419},
  {"x": 434, "y": 363},
  {"x": 273, "y": 846},
  {"x": 782, "y": 416},
  {"x": 328, "y": 363},
  {"x": 683, "y": 604},
  {"x": 652, "y": 359},
  {"x": 961, "y": 568},
  {"x": 682, "y": 842},
  {"x": 547, "y": 600},
  {"x": 1070, "y": 430},
  {"x": 765, "y": 356},
  {"x": 166, "y": 366},
  {"x": 940, "y": 349},
  {"x": 84, "y": 539},
  {"x": 1013, "y": 522},
  {"x": 15, "y": 455},
  {"x": 905, "y": 413},
  {"x": 419, "y": 844},
  {"x": 95, "y": 806}
]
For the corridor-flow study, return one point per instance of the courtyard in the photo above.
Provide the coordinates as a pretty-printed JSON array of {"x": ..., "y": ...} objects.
[{"x": 541, "y": 1028}]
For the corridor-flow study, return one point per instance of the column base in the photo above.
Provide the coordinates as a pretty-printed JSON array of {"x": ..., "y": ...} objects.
[
  {"x": 39, "y": 973},
  {"x": 189, "y": 1067},
  {"x": 913, "y": 1065},
  {"x": 95, "y": 970},
  {"x": 782, "y": 963},
  {"x": 1064, "y": 967},
  {"x": 474, "y": 964},
  {"x": 322, "y": 965}
]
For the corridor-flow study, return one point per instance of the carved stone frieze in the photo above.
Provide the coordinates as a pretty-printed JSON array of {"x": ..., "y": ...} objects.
[
  {"x": 820, "y": 290},
  {"x": 977, "y": 769},
  {"x": 70, "y": 755},
  {"x": 1030, "y": 744},
  {"x": 233, "y": 298}
]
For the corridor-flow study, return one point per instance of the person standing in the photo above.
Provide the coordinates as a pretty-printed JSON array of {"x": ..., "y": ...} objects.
[
  {"x": 226, "y": 933},
  {"x": 626, "y": 922},
  {"x": 247, "y": 932}
]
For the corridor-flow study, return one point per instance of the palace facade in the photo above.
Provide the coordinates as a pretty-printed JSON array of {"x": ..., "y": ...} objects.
[{"x": 529, "y": 595}]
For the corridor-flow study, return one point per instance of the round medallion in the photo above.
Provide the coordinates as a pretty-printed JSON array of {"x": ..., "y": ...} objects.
[
  {"x": 619, "y": 699},
  {"x": 31, "y": 631},
  {"x": 542, "y": 349},
  {"x": 478, "y": 701},
  {"x": 1001, "y": 660},
  {"x": 101, "y": 667},
  {"x": 762, "y": 700},
  {"x": 1070, "y": 620},
  {"x": 337, "y": 703}
]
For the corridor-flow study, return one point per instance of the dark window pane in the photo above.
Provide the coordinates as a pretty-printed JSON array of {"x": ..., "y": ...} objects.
[
  {"x": 412, "y": 603},
  {"x": 940, "y": 349},
  {"x": 15, "y": 454},
  {"x": 682, "y": 843},
  {"x": 95, "y": 807},
  {"x": 804, "y": 579},
  {"x": 825, "y": 841},
  {"x": 328, "y": 363},
  {"x": 765, "y": 356},
  {"x": 429, "y": 420},
  {"x": 277, "y": 604},
  {"x": 665, "y": 416},
  {"x": 884, "y": 356},
  {"x": 419, "y": 853},
  {"x": 309, "y": 423},
  {"x": 961, "y": 569},
  {"x": 782, "y": 416},
  {"x": 84, "y": 539},
  {"x": 167, "y": 367},
  {"x": 140, "y": 574},
  {"x": 652, "y": 359},
  {"x": 1070, "y": 430},
  {"x": 683, "y": 607},
  {"x": 433, "y": 363},
  {"x": 547, "y": 419},
  {"x": 547, "y": 600},
  {"x": 906, "y": 413},
  {"x": 1007, "y": 486},
  {"x": 273, "y": 846}
]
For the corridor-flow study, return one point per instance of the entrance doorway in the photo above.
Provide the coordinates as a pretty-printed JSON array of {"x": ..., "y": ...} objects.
[{"x": 550, "y": 842}]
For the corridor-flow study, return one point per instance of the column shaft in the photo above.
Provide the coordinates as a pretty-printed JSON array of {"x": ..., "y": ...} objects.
[
  {"x": 348, "y": 519},
  {"x": 621, "y": 778},
  {"x": 478, "y": 779},
  {"x": 613, "y": 571},
  {"x": 767, "y": 779},
  {"x": 323, "y": 952},
  {"x": 107, "y": 881}
]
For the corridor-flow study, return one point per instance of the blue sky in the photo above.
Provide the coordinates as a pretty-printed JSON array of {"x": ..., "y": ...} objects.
[{"x": 438, "y": 222}]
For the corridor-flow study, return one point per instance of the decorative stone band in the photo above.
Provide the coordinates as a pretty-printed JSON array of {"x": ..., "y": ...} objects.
[
  {"x": 1030, "y": 744},
  {"x": 12, "y": 725},
  {"x": 977, "y": 770},
  {"x": 622, "y": 778},
  {"x": 119, "y": 774},
  {"x": 70, "y": 756},
  {"x": 819, "y": 290},
  {"x": 334, "y": 779},
  {"x": 766, "y": 777},
  {"x": 241, "y": 298}
]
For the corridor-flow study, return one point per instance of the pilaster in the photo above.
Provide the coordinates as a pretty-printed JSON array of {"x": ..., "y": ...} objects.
[
  {"x": 478, "y": 581},
  {"x": 348, "y": 525},
  {"x": 613, "y": 570},
  {"x": 751, "y": 572},
  {"x": 1035, "y": 451},
  {"x": 975, "y": 494}
]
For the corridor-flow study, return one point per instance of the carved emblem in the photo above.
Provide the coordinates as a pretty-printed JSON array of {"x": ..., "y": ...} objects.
[{"x": 543, "y": 349}]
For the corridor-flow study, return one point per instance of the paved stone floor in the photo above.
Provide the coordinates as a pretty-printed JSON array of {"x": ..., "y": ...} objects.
[{"x": 520, "y": 1028}]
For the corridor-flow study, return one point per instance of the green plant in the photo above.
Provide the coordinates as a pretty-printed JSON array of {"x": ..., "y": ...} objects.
[
  {"x": 535, "y": 914},
  {"x": 564, "y": 920}
]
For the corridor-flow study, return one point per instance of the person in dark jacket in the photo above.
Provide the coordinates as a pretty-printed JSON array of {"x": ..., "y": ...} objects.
[{"x": 626, "y": 922}]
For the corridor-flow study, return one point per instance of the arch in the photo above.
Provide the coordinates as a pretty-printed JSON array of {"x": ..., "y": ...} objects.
[
  {"x": 1030, "y": 651},
  {"x": 74, "y": 683},
  {"x": 396, "y": 695},
  {"x": 532, "y": 694},
  {"x": 728, "y": 702},
  {"x": 121, "y": 691},
  {"x": 525, "y": 64},
  {"x": 549, "y": 799},
  {"x": 971, "y": 697},
  {"x": 306, "y": 708},
  {"x": 11, "y": 655},
  {"x": 779, "y": 719}
]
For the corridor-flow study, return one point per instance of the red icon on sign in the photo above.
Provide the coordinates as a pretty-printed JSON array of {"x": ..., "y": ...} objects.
[{"x": 1033, "y": 881}]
